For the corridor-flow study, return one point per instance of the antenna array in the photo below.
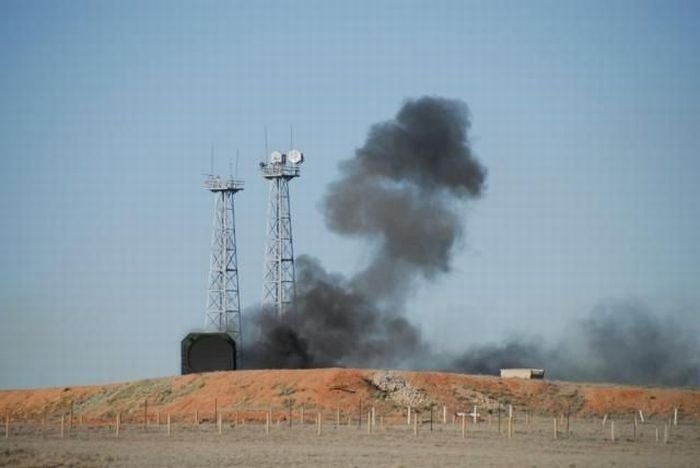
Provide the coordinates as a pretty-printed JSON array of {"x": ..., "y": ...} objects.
[{"x": 278, "y": 282}]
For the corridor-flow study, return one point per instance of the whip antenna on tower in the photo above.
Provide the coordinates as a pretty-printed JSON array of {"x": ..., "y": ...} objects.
[{"x": 278, "y": 282}]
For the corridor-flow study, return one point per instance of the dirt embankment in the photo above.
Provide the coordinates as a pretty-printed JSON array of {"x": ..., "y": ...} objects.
[{"x": 345, "y": 389}]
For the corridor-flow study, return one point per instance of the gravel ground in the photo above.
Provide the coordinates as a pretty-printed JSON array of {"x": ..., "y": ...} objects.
[{"x": 532, "y": 445}]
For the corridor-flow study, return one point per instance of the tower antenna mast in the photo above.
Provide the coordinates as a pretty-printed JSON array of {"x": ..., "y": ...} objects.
[
  {"x": 278, "y": 283},
  {"x": 223, "y": 309}
]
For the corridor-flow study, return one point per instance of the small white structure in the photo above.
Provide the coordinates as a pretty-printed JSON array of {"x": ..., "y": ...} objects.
[{"x": 522, "y": 373}]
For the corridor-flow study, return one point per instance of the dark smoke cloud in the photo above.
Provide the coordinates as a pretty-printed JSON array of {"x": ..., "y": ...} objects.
[
  {"x": 332, "y": 324},
  {"x": 400, "y": 190},
  {"x": 403, "y": 191},
  {"x": 629, "y": 342},
  {"x": 619, "y": 341}
]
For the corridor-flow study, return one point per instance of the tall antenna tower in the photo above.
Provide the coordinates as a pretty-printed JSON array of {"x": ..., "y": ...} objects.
[
  {"x": 223, "y": 300},
  {"x": 278, "y": 281}
]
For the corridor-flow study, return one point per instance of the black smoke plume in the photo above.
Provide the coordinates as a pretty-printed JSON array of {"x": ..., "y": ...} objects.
[{"x": 403, "y": 191}]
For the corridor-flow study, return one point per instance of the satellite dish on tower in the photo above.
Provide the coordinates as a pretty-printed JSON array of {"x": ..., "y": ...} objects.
[
  {"x": 276, "y": 157},
  {"x": 295, "y": 157}
]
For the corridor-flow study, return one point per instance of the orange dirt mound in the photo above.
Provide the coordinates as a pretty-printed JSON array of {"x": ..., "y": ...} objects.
[{"x": 253, "y": 392}]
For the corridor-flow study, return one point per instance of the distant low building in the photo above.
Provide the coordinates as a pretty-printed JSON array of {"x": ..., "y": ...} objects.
[{"x": 522, "y": 373}]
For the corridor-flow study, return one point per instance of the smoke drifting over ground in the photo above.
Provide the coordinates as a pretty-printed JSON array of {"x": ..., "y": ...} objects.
[
  {"x": 404, "y": 193},
  {"x": 618, "y": 342}
]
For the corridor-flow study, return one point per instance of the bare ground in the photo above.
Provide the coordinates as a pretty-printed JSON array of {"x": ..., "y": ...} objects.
[{"x": 587, "y": 444}]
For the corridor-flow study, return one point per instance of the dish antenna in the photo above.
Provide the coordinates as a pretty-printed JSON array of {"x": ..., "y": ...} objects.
[
  {"x": 295, "y": 157},
  {"x": 276, "y": 157}
]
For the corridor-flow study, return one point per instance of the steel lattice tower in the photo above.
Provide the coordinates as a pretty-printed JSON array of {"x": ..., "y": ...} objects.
[
  {"x": 223, "y": 300},
  {"x": 278, "y": 281}
]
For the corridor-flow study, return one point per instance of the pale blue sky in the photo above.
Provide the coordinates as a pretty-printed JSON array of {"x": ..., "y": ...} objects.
[{"x": 585, "y": 113}]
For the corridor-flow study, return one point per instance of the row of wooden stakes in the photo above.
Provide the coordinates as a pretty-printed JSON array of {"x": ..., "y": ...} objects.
[{"x": 412, "y": 419}]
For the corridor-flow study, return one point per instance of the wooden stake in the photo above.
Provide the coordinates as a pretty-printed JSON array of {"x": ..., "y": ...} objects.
[
  {"x": 301, "y": 419},
  {"x": 319, "y": 422},
  {"x": 408, "y": 413},
  {"x": 444, "y": 414},
  {"x": 196, "y": 417},
  {"x": 605, "y": 418},
  {"x": 369, "y": 422},
  {"x": 62, "y": 424},
  {"x": 168, "y": 423},
  {"x": 7, "y": 426},
  {"x": 70, "y": 418},
  {"x": 510, "y": 426},
  {"x": 216, "y": 407},
  {"x": 675, "y": 416},
  {"x": 666, "y": 433},
  {"x": 431, "y": 418},
  {"x": 337, "y": 418},
  {"x": 117, "y": 423},
  {"x": 359, "y": 416},
  {"x": 554, "y": 421},
  {"x": 499, "y": 418},
  {"x": 641, "y": 416},
  {"x": 612, "y": 431},
  {"x": 374, "y": 418},
  {"x": 656, "y": 433},
  {"x": 145, "y": 414},
  {"x": 464, "y": 425},
  {"x": 267, "y": 422},
  {"x": 219, "y": 425}
]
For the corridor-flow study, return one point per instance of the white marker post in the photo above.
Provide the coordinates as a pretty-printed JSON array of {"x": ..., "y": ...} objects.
[
  {"x": 612, "y": 431},
  {"x": 475, "y": 415}
]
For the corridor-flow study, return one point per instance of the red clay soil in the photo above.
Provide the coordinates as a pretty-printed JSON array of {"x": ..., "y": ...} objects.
[{"x": 253, "y": 392}]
